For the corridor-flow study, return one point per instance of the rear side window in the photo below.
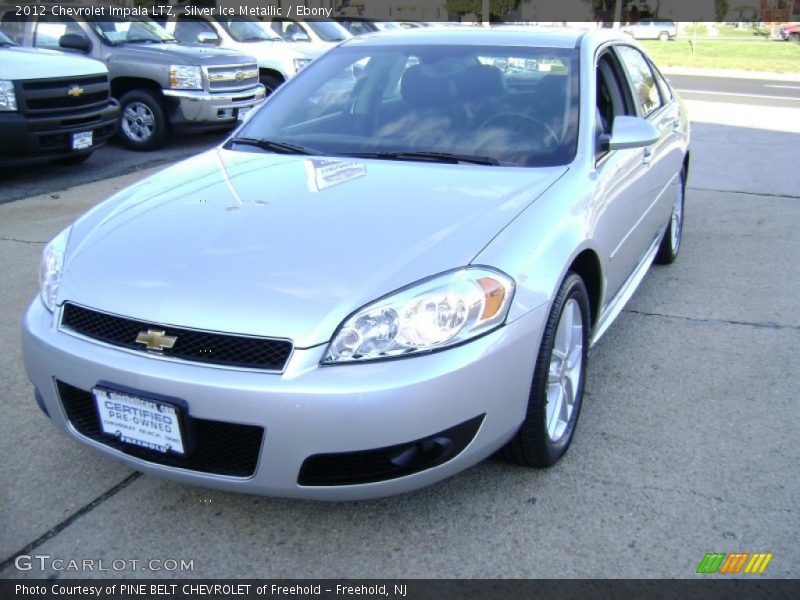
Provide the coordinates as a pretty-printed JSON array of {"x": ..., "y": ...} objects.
[{"x": 643, "y": 82}]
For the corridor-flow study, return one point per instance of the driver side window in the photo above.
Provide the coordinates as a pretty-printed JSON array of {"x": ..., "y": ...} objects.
[
  {"x": 49, "y": 31},
  {"x": 611, "y": 100},
  {"x": 188, "y": 29}
]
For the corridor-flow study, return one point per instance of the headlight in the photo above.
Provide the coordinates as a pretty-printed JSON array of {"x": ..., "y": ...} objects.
[
  {"x": 429, "y": 315},
  {"x": 185, "y": 78},
  {"x": 8, "y": 99},
  {"x": 50, "y": 270},
  {"x": 299, "y": 63}
]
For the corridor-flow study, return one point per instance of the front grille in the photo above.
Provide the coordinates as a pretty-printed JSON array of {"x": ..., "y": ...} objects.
[
  {"x": 381, "y": 464},
  {"x": 53, "y": 95},
  {"x": 219, "y": 448},
  {"x": 232, "y": 77},
  {"x": 190, "y": 345}
]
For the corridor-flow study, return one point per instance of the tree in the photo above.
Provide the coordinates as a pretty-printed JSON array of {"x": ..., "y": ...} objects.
[
  {"x": 721, "y": 8},
  {"x": 498, "y": 7}
]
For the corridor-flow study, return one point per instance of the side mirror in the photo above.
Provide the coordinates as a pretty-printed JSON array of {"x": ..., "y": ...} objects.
[
  {"x": 74, "y": 41},
  {"x": 632, "y": 132},
  {"x": 207, "y": 37},
  {"x": 300, "y": 36}
]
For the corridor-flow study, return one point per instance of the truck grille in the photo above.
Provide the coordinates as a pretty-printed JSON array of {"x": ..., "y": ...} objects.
[
  {"x": 63, "y": 94},
  {"x": 232, "y": 78},
  {"x": 190, "y": 345}
]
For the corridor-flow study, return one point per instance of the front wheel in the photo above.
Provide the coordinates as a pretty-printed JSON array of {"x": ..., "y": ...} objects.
[
  {"x": 271, "y": 83},
  {"x": 143, "y": 121},
  {"x": 671, "y": 242},
  {"x": 558, "y": 381},
  {"x": 663, "y": 36}
]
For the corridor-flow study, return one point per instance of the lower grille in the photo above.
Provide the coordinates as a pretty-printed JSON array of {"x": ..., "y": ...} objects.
[
  {"x": 381, "y": 464},
  {"x": 190, "y": 345},
  {"x": 219, "y": 448}
]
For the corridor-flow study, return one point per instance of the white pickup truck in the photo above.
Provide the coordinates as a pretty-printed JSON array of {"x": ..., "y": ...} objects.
[
  {"x": 278, "y": 60},
  {"x": 52, "y": 106}
]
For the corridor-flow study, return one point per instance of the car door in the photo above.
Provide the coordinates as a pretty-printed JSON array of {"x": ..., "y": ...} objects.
[
  {"x": 621, "y": 190},
  {"x": 663, "y": 159}
]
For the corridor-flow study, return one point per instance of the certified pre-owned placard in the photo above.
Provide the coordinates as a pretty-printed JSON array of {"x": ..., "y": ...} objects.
[{"x": 139, "y": 421}]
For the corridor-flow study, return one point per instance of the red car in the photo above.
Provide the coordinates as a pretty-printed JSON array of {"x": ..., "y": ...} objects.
[{"x": 790, "y": 32}]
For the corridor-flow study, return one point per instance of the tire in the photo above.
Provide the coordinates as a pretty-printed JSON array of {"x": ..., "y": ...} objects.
[
  {"x": 271, "y": 82},
  {"x": 540, "y": 440},
  {"x": 143, "y": 123},
  {"x": 671, "y": 242},
  {"x": 75, "y": 159},
  {"x": 663, "y": 36},
  {"x": 794, "y": 37}
]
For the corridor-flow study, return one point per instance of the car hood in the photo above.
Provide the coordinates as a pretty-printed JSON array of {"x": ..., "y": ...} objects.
[
  {"x": 195, "y": 54},
  {"x": 285, "y": 246},
  {"x": 17, "y": 62}
]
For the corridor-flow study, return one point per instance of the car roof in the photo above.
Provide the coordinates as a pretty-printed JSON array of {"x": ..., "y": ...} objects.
[{"x": 543, "y": 37}]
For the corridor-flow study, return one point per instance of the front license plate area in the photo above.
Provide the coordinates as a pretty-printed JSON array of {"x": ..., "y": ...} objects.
[
  {"x": 82, "y": 140},
  {"x": 243, "y": 112},
  {"x": 139, "y": 421}
]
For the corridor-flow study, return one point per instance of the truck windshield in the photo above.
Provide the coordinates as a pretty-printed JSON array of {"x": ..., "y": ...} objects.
[
  {"x": 329, "y": 31},
  {"x": 249, "y": 31},
  {"x": 130, "y": 31}
]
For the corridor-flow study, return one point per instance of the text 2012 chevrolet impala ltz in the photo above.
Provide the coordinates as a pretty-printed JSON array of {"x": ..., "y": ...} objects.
[{"x": 392, "y": 270}]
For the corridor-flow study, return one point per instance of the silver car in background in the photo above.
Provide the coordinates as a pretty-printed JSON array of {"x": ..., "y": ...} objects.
[{"x": 393, "y": 269}]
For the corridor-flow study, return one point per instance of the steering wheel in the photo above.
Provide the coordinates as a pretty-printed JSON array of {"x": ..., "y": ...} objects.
[{"x": 514, "y": 117}]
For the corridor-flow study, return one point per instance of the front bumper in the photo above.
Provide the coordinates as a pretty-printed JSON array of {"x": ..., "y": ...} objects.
[
  {"x": 205, "y": 110},
  {"x": 28, "y": 139},
  {"x": 309, "y": 410}
]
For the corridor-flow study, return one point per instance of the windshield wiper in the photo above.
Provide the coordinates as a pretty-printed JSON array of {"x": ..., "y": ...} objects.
[
  {"x": 445, "y": 157},
  {"x": 143, "y": 41},
  {"x": 274, "y": 146}
]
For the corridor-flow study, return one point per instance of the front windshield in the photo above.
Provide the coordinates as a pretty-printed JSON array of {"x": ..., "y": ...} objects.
[
  {"x": 505, "y": 105},
  {"x": 249, "y": 31},
  {"x": 329, "y": 31},
  {"x": 131, "y": 30}
]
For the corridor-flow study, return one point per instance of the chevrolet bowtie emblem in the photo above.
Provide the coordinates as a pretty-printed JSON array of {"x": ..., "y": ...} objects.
[
  {"x": 155, "y": 340},
  {"x": 75, "y": 91},
  {"x": 239, "y": 75}
]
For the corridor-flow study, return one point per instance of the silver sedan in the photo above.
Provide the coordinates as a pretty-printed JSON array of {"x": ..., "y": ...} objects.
[{"x": 392, "y": 270}]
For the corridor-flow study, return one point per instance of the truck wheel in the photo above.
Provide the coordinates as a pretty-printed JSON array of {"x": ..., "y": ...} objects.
[
  {"x": 794, "y": 37},
  {"x": 143, "y": 124},
  {"x": 75, "y": 159},
  {"x": 271, "y": 82},
  {"x": 663, "y": 36}
]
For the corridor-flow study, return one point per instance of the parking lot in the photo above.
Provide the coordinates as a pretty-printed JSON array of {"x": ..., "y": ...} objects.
[{"x": 688, "y": 441}]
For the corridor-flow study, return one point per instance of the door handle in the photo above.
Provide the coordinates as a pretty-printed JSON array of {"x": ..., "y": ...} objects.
[
  {"x": 647, "y": 156},
  {"x": 676, "y": 125}
]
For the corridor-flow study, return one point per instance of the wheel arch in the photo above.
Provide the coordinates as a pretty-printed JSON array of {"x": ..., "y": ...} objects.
[
  {"x": 123, "y": 85},
  {"x": 587, "y": 265}
]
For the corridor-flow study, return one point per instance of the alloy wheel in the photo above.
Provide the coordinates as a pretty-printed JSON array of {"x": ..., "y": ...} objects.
[
  {"x": 138, "y": 121},
  {"x": 564, "y": 376}
]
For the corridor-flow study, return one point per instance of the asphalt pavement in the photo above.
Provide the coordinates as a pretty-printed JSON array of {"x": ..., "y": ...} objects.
[
  {"x": 751, "y": 92},
  {"x": 688, "y": 440}
]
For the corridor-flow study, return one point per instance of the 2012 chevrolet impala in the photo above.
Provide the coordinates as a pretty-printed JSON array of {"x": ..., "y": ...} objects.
[{"x": 392, "y": 270}]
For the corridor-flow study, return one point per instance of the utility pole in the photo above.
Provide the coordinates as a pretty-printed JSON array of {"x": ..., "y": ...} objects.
[
  {"x": 617, "y": 13},
  {"x": 486, "y": 10}
]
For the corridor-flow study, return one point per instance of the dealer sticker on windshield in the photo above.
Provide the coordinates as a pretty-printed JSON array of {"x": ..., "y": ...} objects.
[{"x": 139, "y": 421}]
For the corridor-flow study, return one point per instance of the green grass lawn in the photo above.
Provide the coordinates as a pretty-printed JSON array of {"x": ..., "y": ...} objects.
[{"x": 767, "y": 55}]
